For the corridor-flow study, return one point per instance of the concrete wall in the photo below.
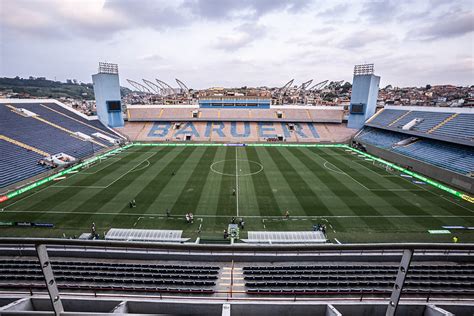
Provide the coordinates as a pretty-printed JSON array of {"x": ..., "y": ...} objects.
[{"x": 452, "y": 179}]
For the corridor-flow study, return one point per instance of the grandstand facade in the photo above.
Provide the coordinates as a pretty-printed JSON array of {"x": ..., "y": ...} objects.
[{"x": 236, "y": 124}]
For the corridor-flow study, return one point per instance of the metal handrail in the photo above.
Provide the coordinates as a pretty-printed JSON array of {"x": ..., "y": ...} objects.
[{"x": 235, "y": 247}]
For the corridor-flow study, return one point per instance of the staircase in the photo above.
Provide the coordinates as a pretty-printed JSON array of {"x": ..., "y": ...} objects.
[
  {"x": 25, "y": 146},
  {"x": 443, "y": 122},
  {"x": 398, "y": 119}
]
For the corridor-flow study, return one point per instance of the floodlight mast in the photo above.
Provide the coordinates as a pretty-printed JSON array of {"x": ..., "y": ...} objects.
[
  {"x": 138, "y": 86},
  {"x": 318, "y": 86},
  {"x": 304, "y": 85},
  {"x": 182, "y": 86},
  {"x": 165, "y": 87},
  {"x": 363, "y": 69},
  {"x": 153, "y": 86}
]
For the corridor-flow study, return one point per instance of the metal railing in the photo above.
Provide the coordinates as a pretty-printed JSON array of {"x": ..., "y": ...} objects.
[{"x": 405, "y": 250}]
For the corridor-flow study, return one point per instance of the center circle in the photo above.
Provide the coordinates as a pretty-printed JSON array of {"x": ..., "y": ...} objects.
[{"x": 249, "y": 173}]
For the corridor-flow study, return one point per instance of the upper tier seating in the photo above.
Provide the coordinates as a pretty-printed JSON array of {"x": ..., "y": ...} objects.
[
  {"x": 58, "y": 115},
  {"x": 289, "y": 114},
  {"x": 446, "y": 126},
  {"x": 454, "y": 157},
  {"x": 17, "y": 164},
  {"x": 48, "y": 134}
]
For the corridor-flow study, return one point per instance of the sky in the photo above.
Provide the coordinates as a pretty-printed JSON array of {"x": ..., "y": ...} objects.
[{"x": 234, "y": 43}]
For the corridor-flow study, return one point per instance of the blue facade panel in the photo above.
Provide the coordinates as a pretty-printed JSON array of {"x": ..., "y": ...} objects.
[
  {"x": 235, "y": 103},
  {"x": 107, "y": 88},
  {"x": 365, "y": 90}
]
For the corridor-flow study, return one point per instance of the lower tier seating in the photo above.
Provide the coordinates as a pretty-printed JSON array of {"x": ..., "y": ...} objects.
[{"x": 457, "y": 158}]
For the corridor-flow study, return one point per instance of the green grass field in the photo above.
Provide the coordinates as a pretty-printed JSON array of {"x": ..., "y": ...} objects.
[{"x": 357, "y": 200}]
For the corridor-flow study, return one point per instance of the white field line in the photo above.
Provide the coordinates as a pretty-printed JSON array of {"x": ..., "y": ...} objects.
[
  {"x": 28, "y": 196},
  {"x": 123, "y": 175},
  {"x": 250, "y": 216},
  {"x": 397, "y": 190},
  {"x": 324, "y": 165},
  {"x": 115, "y": 159},
  {"x": 381, "y": 189},
  {"x": 330, "y": 169},
  {"x": 425, "y": 189},
  {"x": 236, "y": 183},
  {"x": 120, "y": 177}
]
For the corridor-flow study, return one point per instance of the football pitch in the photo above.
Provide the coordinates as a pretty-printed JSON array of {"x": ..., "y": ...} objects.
[{"x": 357, "y": 199}]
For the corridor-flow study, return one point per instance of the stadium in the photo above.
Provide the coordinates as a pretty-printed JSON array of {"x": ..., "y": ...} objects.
[{"x": 235, "y": 204}]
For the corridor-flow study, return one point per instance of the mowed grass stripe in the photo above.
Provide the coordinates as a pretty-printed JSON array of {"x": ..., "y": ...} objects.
[
  {"x": 113, "y": 198},
  {"x": 402, "y": 204},
  {"x": 341, "y": 197},
  {"x": 248, "y": 204},
  {"x": 150, "y": 191},
  {"x": 170, "y": 192},
  {"x": 361, "y": 201},
  {"x": 226, "y": 204},
  {"x": 91, "y": 196},
  {"x": 267, "y": 204},
  {"x": 311, "y": 202},
  {"x": 141, "y": 179},
  {"x": 189, "y": 197},
  {"x": 51, "y": 199},
  {"x": 279, "y": 186},
  {"x": 208, "y": 200}
]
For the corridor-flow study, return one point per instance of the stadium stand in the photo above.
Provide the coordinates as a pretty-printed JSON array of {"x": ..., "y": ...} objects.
[
  {"x": 106, "y": 276},
  {"x": 17, "y": 163},
  {"x": 58, "y": 115},
  {"x": 294, "y": 114},
  {"x": 144, "y": 278},
  {"x": 44, "y": 129},
  {"x": 454, "y": 157},
  {"x": 357, "y": 278},
  {"x": 450, "y": 125},
  {"x": 237, "y": 131}
]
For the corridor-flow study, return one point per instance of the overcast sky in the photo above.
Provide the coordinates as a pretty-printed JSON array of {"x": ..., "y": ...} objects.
[{"x": 234, "y": 43}]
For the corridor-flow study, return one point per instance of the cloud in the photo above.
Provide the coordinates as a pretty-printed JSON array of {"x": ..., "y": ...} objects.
[
  {"x": 447, "y": 26},
  {"x": 241, "y": 36},
  {"x": 334, "y": 11},
  {"x": 155, "y": 14},
  {"x": 224, "y": 9},
  {"x": 151, "y": 57},
  {"x": 361, "y": 38},
  {"x": 380, "y": 11},
  {"x": 55, "y": 19}
]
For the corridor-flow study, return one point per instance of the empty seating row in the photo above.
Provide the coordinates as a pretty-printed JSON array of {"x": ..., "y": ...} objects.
[
  {"x": 17, "y": 164},
  {"x": 357, "y": 290},
  {"x": 115, "y": 288},
  {"x": 357, "y": 267},
  {"x": 448, "y": 126},
  {"x": 86, "y": 264},
  {"x": 112, "y": 274},
  {"x": 450, "y": 156},
  {"x": 65, "y": 118}
]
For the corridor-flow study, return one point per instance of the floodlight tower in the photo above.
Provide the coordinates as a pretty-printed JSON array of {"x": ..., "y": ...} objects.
[
  {"x": 365, "y": 90},
  {"x": 107, "y": 95}
]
